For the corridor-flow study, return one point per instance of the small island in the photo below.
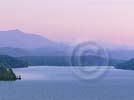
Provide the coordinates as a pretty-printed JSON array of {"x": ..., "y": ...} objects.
[
  {"x": 6, "y": 65},
  {"x": 6, "y": 74}
]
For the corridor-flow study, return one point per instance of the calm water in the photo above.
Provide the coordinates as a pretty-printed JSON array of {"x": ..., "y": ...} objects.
[{"x": 55, "y": 83}]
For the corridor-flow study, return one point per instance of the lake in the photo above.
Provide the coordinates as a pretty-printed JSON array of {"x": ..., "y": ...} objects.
[{"x": 61, "y": 83}]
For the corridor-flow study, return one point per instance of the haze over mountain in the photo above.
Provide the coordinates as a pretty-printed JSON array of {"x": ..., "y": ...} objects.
[
  {"x": 14, "y": 52},
  {"x": 19, "y": 39},
  {"x": 17, "y": 43},
  {"x": 124, "y": 54}
]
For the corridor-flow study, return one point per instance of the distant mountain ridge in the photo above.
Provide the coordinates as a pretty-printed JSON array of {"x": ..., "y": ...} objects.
[
  {"x": 18, "y": 49},
  {"x": 19, "y": 39},
  {"x": 14, "y": 52},
  {"x": 17, "y": 44},
  {"x": 12, "y": 62},
  {"x": 66, "y": 61}
]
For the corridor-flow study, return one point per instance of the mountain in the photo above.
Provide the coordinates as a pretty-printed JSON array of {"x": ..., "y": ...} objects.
[
  {"x": 55, "y": 49},
  {"x": 17, "y": 44},
  {"x": 19, "y": 39}
]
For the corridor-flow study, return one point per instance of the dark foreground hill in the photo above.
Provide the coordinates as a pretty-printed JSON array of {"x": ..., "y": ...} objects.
[
  {"x": 127, "y": 65},
  {"x": 69, "y": 61},
  {"x": 12, "y": 62}
]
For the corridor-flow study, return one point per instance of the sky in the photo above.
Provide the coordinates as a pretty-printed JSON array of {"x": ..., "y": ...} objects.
[{"x": 71, "y": 20}]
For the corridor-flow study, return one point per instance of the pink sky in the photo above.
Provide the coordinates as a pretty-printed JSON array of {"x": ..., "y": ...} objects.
[{"x": 71, "y": 20}]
